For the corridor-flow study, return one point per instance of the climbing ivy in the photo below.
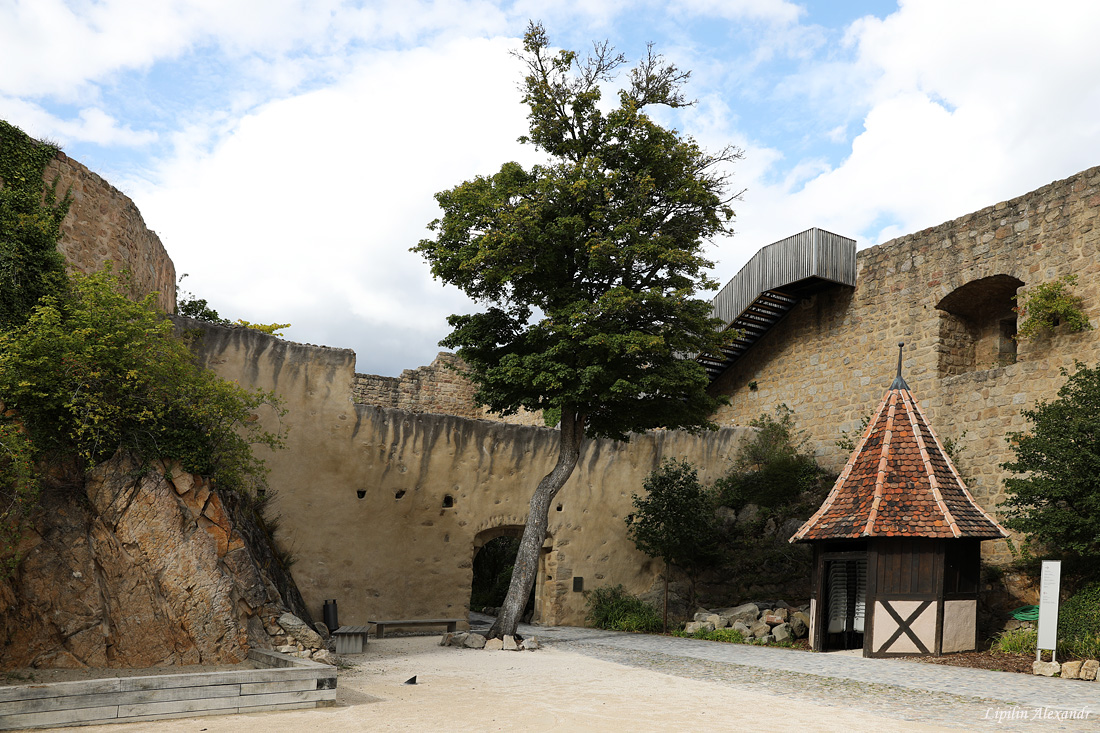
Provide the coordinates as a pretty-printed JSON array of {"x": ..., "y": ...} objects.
[
  {"x": 30, "y": 225},
  {"x": 18, "y": 493},
  {"x": 1048, "y": 305}
]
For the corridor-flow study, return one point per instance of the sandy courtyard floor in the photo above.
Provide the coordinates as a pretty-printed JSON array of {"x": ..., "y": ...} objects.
[{"x": 546, "y": 690}]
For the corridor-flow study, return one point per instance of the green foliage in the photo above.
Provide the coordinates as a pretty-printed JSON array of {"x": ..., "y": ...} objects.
[
  {"x": 30, "y": 225},
  {"x": 611, "y": 607},
  {"x": 1018, "y": 641},
  {"x": 92, "y": 372},
  {"x": 1048, "y": 305},
  {"x": 773, "y": 469},
  {"x": 551, "y": 416},
  {"x": 1055, "y": 498},
  {"x": 272, "y": 329},
  {"x": 1079, "y": 624},
  {"x": 604, "y": 241},
  {"x": 18, "y": 492},
  {"x": 675, "y": 519}
]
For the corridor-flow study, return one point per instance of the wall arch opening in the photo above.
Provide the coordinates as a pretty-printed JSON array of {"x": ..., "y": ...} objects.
[
  {"x": 977, "y": 327},
  {"x": 494, "y": 556}
]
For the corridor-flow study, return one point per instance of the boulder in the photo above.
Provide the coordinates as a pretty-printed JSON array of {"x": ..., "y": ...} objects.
[
  {"x": 459, "y": 638},
  {"x": 324, "y": 656},
  {"x": 772, "y": 620},
  {"x": 303, "y": 634},
  {"x": 719, "y": 622},
  {"x": 799, "y": 628},
  {"x": 782, "y": 632},
  {"x": 702, "y": 616},
  {"x": 493, "y": 645},
  {"x": 321, "y": 630},
  {"x": 474, "y": 641},
  {"x": 746, "y": 613},
  {"x": 781, "y": 612},
  {"x": 1046, "y": 669},
  {"x": 510, "y": 643},
  {"x": 1071, "y": 670},
  {"x": 445, "y": 640},
  {"x": 740, "y": 626},
  {"x": 1089, "y": 669},
  {"x": 530, "y": 643},
  {"x": 760, "y": 629},
  {"x": 692, "y": 627}
]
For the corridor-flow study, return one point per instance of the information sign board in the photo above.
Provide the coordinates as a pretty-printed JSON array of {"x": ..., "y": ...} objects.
[{"x": 1049, "y": 586}]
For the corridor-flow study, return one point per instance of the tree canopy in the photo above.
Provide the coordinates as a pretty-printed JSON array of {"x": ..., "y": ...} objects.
[
  {"x": 1056, "y": 498},
  {"x": 588, "y": 266}
]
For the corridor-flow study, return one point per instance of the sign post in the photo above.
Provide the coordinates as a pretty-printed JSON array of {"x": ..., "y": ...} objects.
[{"x": 1049, "y": 587}]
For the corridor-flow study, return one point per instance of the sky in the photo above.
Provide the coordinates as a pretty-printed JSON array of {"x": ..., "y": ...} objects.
[{"x": 287, "y": 152}]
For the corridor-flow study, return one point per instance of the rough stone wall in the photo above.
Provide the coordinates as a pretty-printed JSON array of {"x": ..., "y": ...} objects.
[
  {"x": 384, "y": 508},
  {"x": 436, "y": 389},
  {"x": 136, "y": 569},
  {"x": 832, "y": 358},
  {"x": 103, "y": 224}
]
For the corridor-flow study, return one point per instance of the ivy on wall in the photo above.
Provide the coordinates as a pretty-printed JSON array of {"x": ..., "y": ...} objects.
[
  {"x": 1049, "y": 305},
  {"x": 30, "y": 225}
]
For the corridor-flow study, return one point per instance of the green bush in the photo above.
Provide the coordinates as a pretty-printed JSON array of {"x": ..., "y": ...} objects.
[
  {"x": 92, "y": 372},
  {"x": 1079, "y": 624},
  {"x": 18, "y": 492},
  {"x": 611, "y": 607},
  {"x": 1021, "y": 640}
]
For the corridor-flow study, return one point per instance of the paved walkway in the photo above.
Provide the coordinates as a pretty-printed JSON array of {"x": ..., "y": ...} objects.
[{"x": 950, "y": 696}]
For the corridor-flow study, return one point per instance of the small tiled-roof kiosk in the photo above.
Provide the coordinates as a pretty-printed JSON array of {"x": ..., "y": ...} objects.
[{"x": 897, "y": 543}]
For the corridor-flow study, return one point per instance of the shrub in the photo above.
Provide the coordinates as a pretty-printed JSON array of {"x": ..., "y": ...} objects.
[
  {"x": 611, "y": 607},
  {"x": 1021, "y": 640},
  {"x": 18, "y": 492},
  {"x": 1048, "y": 305},
  {"x": 1079, "y": 624},
  {"x": 93, "y": 372}
]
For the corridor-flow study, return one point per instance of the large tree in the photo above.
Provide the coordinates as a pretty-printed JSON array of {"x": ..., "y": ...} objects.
[{"x": 588, "y": 265}]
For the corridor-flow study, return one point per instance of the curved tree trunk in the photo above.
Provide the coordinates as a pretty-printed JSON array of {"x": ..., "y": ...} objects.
[{"x": 534, "y": 531}]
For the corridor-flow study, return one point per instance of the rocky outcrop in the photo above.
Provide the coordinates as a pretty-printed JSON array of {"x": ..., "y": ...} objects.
[{"x": 136, "y": 568}]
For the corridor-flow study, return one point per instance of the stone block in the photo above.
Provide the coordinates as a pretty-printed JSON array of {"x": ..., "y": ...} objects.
[
  {"x": 1046, "y": 669},
  {"x": 531, "y": 643},
  {"x": 510, "y": 643},
  {"x": 772, "y": 620},
  {"x": 474, "y": 641},
  {"x": 1071, "y": 670},
  {"x": 445, "y": 640},
  {"x": 740, "y": 626},
  {"x": 493, "y": 645},
  {"x": 692, "y": 627},
  {"x": 782, "y": 632},
  {"x": 1089, "y": 669},
  {"x": 760, "y": 629},
  {"x": 719, "y": 622}
]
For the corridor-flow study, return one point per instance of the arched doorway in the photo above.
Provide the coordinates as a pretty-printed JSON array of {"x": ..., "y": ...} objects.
[{"x": 494, "y": 556}]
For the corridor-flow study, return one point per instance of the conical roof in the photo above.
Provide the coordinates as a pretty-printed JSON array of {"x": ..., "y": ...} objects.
[{"x": 899, "y": 482}]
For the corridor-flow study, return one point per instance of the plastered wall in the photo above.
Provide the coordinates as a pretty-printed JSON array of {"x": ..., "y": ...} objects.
[{"x": 383, "y": 508}]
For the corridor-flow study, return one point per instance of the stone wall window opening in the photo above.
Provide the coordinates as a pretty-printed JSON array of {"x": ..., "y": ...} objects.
[
  {"x": 448, "y": 501},
  {"x": 360, "y": 493},
  {"x": 977, "y": 328},
  {"x": 399, "y": 494}
]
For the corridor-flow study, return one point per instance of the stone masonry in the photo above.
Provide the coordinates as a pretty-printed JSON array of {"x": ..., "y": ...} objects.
[{"x": 947, "y": 293}]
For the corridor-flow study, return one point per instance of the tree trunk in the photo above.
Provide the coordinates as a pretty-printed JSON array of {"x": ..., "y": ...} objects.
[{"x": 534, "y": 531}]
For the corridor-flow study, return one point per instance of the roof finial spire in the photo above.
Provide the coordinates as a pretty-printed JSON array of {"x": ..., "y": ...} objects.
[{"x": 898, "y": 382}]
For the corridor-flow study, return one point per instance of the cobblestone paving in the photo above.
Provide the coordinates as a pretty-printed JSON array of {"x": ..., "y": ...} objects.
[{"x": 948, "y": 696}]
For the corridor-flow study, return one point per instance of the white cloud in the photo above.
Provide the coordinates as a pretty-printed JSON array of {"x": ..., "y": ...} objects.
[{"x": 312, "y": 202}]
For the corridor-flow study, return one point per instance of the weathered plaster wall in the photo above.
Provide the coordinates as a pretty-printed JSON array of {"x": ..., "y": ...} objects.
[
  {"x": 103, "y": 224},
  {"x": 399, "y": 550},
  {"x": 437, "y": 388},
  {"x": 834, "y": 355}
]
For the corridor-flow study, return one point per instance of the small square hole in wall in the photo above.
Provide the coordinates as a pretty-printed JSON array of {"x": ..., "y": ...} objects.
[
  {"x": 578, "y": 585},
  {"x": 559, "y": 507},
  {"x": 448, "y": 501},
  {"x": 399, "y": 494},
  {"x": 361, "y": 493}
]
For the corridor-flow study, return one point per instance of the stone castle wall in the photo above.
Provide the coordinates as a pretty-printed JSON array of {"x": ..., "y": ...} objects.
[
  {"x": 104, "y": 225},
  {"x": 832, "y": 358},
  {"x": 435, "y": 389}
]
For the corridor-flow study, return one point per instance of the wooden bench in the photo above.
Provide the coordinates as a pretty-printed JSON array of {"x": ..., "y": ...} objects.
[
  {"x": 350, "y": 639},
  {"x": 380, "y": 626}
]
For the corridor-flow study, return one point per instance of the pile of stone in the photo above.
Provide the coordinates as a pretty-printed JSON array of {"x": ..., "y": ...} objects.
[
  {"x": 1087, "y": 669},
  {"x": 291, "y": 635},
  {"x": 471, "y": 640},
  {"x": 766, "y": 621}
]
